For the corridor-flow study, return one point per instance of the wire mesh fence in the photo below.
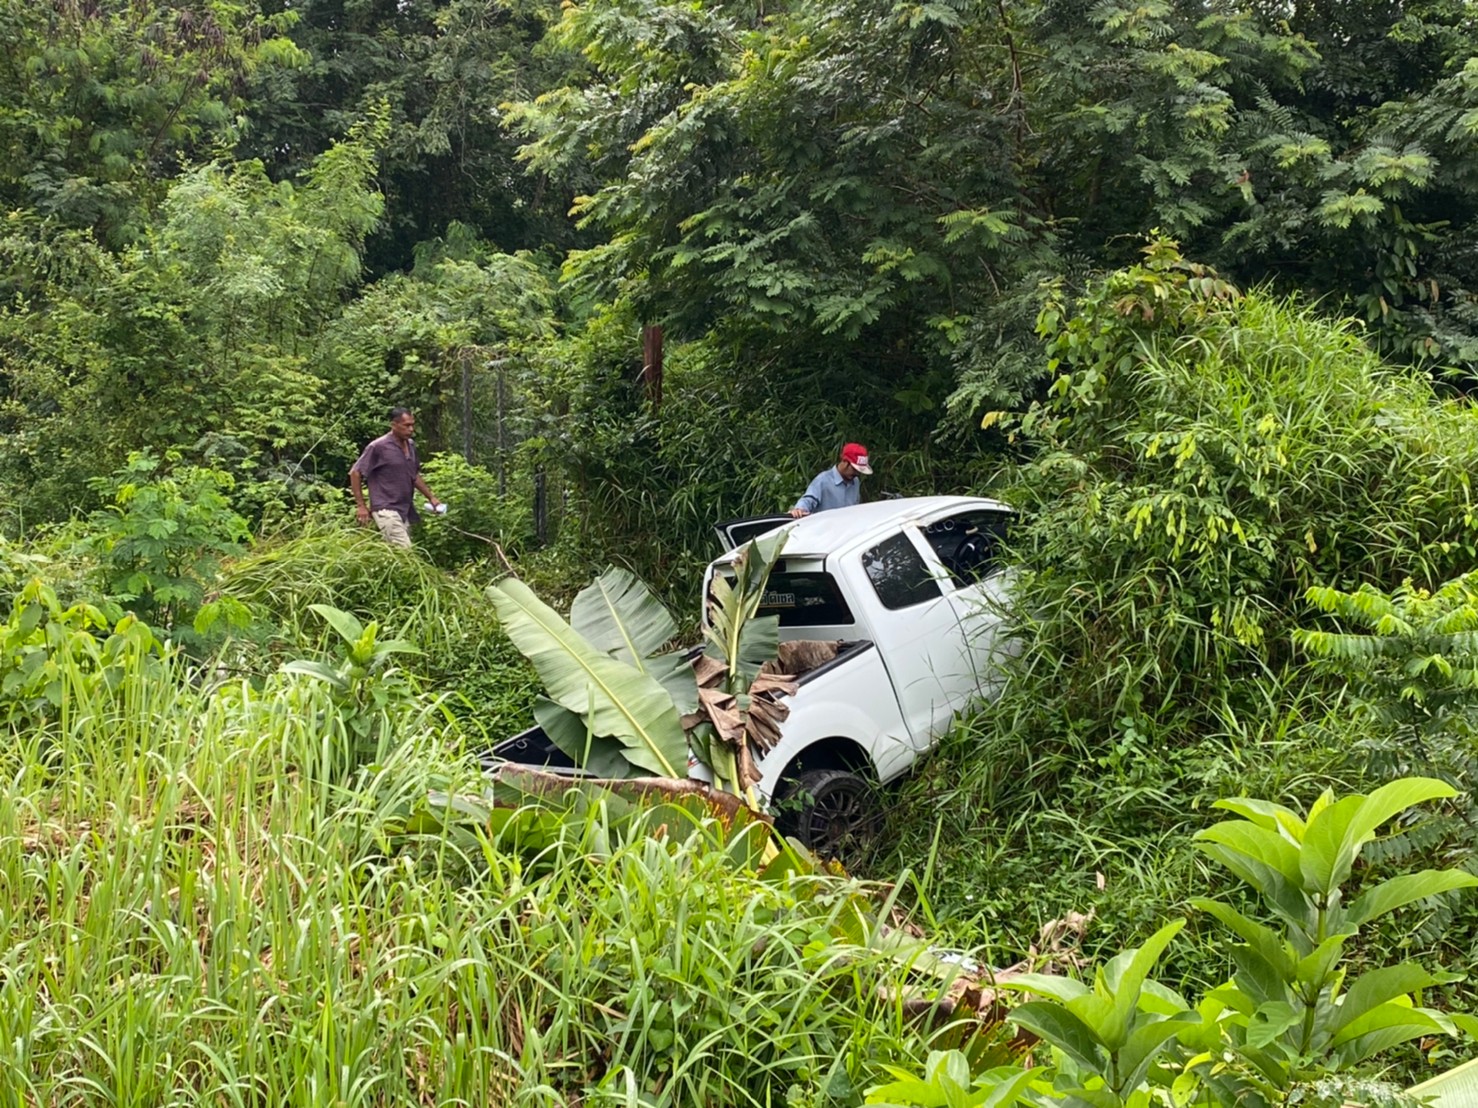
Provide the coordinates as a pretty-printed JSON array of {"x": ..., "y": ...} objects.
[{"x": 481, "y": 414}]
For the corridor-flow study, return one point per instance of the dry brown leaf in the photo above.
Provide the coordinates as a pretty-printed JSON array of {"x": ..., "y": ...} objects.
[
  {"x": 762, "y": 728},
  {"x": 748, "y": 772},
  {"x": 802, "y": 656},
  {"x": 723, "y": 713},
  {"x": 707, "y": 670},
  {"x": 773, "y": 685}
]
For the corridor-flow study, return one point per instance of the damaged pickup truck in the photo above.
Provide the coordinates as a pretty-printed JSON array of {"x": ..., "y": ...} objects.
[{"x": 900, "y": 600}]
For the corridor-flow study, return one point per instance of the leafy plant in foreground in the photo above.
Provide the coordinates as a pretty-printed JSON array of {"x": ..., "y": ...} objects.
[
  {"x": 1294, "y": 1013},
  {"x": 1112, "y": 1032},
  {"x": 1294, "y": 1022},
  {"x": 364, "y": 687}
]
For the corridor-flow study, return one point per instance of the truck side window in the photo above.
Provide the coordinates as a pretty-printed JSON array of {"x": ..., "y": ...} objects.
[
  {"x": 898, "y": 574},
  {"x": 969, "y": 544}
]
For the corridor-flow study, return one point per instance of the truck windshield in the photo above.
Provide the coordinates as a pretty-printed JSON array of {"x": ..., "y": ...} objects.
[{"x": 969, "y": 544}]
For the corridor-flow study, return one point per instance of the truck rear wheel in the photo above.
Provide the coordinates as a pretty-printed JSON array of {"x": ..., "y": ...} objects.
[{"x": 829, "y": 811}]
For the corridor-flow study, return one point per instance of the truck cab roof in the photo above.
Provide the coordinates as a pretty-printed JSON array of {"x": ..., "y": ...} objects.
[{"x": 821, "y": 534}]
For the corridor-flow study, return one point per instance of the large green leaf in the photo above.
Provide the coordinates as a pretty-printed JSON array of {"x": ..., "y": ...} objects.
[
  {"x": 620, "y": 616},
  {"x": 1266, "y": 814},
  {"x": 319, "y": 670},
  {"x": 1386, "y": 1026},
  {"x": 1056, "y": 1025},
  {"x": 1403, "y": 890},
  {"x": 1329, "y": 847},
  {"x": 618, "y": 700},
  {"x": 598, "y": 755},
  {"x": 1257, "y": 978},
  {"x": 1262, "y": 848},
  {"x": 737, "y": 636},
  {"x": 345, "y": 623},
  {"x": 1063, "y": 989},
  {"x": 1264, "y": 942},
  {"x": 1125, "y": 975},
  {"x": 1335, "y": 836},
  {"x": 1266, "y": 862},
  {"x": 1375, "y": 987},
  {"x": 1145, "y": 1043}
]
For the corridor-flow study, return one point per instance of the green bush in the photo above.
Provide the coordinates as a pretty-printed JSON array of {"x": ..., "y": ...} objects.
[
  {"x": 445, "y": 617},
  {"x": 160, "y": 541},
  {"x": 1202, "y": 459},
  {"x": 479, "y": 519}
]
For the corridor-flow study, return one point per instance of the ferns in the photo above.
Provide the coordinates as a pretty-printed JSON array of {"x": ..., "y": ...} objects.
[{"x": 1417, "y": 656}]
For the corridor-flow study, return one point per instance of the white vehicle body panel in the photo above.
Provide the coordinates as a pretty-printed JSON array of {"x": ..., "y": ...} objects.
[{"x": 854, "y": 701}]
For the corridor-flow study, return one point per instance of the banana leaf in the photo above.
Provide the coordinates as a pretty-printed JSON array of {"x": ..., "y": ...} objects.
[
  {"x": 597, "y": 754},
  {"x": 616, "y": 699},
  {"x": 739, "y": 637},
  {"x": 620, "y": 616}
]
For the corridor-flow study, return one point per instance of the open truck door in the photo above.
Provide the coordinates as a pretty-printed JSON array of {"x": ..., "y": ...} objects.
[{"x": 734, "y": 533}]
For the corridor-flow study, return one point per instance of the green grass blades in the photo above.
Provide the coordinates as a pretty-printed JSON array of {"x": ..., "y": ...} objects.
[{"x": 195, "y": 913}]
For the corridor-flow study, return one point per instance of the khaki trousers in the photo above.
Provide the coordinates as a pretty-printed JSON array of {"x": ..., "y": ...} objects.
[{"x": 393, "y": 529}]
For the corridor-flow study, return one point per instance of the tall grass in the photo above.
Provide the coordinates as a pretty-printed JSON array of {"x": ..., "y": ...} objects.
[
  {"x": 446, "y": 616},
  {"x": 196, "y": 907}
]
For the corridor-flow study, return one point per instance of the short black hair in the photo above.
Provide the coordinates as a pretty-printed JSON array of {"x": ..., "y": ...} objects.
[{"x": 396, "y": 413}]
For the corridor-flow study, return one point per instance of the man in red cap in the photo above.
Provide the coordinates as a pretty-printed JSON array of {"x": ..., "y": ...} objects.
[{"x": 837, "y": 487}]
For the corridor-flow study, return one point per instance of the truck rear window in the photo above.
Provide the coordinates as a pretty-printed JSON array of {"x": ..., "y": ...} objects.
[{"x": 805, "y": 599}]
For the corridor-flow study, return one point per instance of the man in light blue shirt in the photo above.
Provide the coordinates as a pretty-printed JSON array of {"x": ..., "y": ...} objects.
[{"x": 838, "y": 487}]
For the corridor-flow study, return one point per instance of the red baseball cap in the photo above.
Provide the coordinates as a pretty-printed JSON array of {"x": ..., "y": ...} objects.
[{"x": 855, "y": 455}]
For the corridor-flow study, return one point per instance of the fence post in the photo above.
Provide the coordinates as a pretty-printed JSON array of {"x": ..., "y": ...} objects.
[
  {"x": 467, "y": 405},
  {"x": 651, "y": 354},
  {"x": 541, "y": 508},
  {"x": 502, "y": 424}
]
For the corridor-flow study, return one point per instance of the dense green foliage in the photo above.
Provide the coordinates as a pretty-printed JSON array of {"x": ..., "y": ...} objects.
[
  {"x": 235, "y": 234},
  {"x": 1204, "y": 464}
]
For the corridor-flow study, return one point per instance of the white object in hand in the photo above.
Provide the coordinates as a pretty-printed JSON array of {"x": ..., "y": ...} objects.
[{"x": 439, "y": 509}]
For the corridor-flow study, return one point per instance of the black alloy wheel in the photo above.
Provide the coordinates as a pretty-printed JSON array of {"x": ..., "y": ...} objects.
[{"x": 832, "y": 810}]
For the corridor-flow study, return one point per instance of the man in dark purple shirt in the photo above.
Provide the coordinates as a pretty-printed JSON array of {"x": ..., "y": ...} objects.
[{"x": 392, "y": 469}]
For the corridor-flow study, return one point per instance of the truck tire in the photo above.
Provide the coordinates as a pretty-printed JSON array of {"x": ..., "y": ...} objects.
[{"x": 829, "y": 811}]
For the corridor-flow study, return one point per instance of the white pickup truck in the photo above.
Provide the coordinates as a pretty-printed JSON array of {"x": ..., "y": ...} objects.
[{"x": 910, "y": 588}]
